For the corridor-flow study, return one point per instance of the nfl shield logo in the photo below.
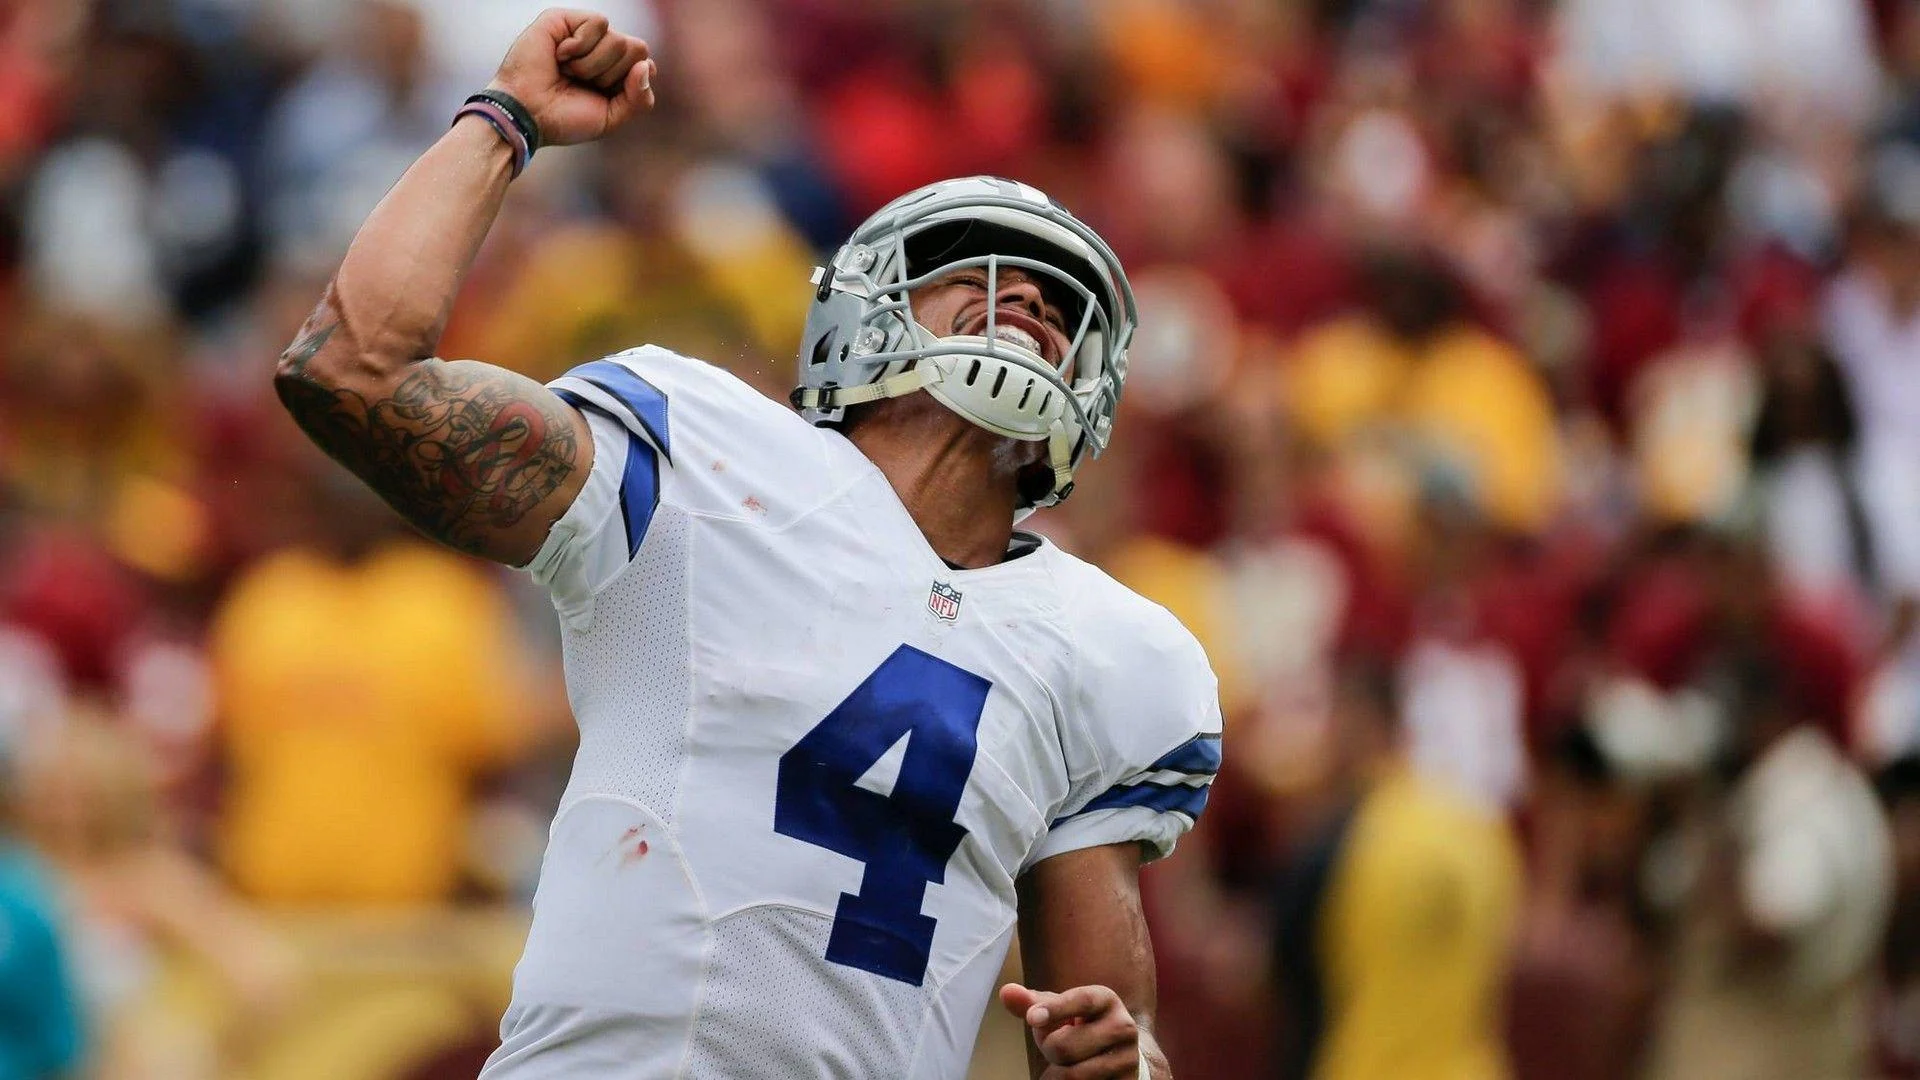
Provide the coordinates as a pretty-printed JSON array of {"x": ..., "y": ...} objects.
[{"x": 944, "y": 601}]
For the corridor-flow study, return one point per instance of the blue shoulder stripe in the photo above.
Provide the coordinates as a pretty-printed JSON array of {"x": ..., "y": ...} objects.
[
  {"x": 639, "y": 484},
  {"x": 644, "y": 400},
  {"x": 639, "y": 491},
  {"x": 1200, "y": 754},
  {"x": 1167, "y": 798}
]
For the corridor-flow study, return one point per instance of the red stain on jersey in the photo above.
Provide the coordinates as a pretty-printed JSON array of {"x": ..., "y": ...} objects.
[
  {"x": 754, "y": 504},
  {"x": 629, "y": 851}
]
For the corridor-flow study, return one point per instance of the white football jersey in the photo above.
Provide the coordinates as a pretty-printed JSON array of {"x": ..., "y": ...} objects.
[{"x": 814, "y": 759}]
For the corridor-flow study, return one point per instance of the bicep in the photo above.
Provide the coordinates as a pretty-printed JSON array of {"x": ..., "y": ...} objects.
[
  {"x": 1081, "y": 924},
  {"x": 478, "y": 457}
]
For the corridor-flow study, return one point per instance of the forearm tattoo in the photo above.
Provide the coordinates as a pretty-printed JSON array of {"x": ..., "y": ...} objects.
[{"x": 461, "y": 449}]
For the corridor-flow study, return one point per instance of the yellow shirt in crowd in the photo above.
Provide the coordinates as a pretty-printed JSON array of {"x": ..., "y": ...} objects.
[
  {"x": 1415, "y": 938},
  {"x": 1470, "y": 400},
  {"x": 358, "y": 702}
]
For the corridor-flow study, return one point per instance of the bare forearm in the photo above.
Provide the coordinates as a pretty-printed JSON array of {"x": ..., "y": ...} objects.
[
  {"x": 1133, "y": 986},
  {"x": 1089, "y": 996},
  {"x": 389, "y": 302},
  {"x": 475, "y": 456}
]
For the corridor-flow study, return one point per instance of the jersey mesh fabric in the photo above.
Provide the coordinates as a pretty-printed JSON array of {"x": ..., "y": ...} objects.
[
  {"x": 767, "y": 957},
  {"x": 629, "y": 679}
]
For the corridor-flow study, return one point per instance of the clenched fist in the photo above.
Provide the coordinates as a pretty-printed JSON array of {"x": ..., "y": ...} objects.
[
  {"x": 579, "y": 77},
  {"x": 1084, "y": 1033}
]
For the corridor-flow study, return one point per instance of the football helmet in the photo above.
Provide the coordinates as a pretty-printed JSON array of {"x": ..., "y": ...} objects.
[{"x": 862, "y": 342}]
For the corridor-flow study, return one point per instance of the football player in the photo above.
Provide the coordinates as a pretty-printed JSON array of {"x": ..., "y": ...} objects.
[{"x": 844, "y": 730}]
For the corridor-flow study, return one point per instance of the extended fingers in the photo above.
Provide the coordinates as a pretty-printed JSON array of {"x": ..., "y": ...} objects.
[
  {"x": 1079, "y": 1003},
  {"x": 1017, "y": 999}
]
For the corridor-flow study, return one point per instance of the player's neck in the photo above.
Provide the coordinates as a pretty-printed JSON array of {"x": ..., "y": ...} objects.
[{"x": 955, "y": 480}]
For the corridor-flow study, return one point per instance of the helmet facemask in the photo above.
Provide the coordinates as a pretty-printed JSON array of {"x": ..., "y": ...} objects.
[{"x": 864, "y": 344}]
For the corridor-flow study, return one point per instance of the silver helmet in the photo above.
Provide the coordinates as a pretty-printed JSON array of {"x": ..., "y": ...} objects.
[{"x": 863, "y": 344}]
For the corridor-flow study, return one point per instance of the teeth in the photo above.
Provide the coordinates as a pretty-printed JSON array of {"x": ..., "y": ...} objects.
[{"x": 1015, "y": 336}]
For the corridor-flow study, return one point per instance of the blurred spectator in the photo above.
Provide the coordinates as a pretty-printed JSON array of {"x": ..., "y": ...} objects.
[
  {"x": 344, "y": 133},
  {"x": 85, "y": 408},
  {"x": 150, "y": 924},
  {"x": 1463, "y": 690},
  {"x": 77, "y": 602},
  {"x": 1897, "y": 1013},
  {"x": 37, "y": 43},
  {"x": 744, "y": 98},
  {"x": 1803, "y": 451},
  {"x": 1477, "y": 416},
  {"x": 1814, "y": 53},
  {"x": 364, "y": 683},
  {"x": 1691, "y": 608},
  {"x": 1873, "y": 321},
  {"x": 1588, "y": 970},
  {"x": 1394, "y": 924},
  {"x": 1788, "y": 880},
  {"x": 41, "y": 1029},
  {"x": 1689, "y": 414}
]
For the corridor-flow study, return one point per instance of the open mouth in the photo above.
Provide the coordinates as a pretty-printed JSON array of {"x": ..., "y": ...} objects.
[{"x": 1016, "y": 329}]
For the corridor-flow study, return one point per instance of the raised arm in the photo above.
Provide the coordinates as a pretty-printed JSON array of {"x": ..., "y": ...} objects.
[
  {"x": 1089, "y": 995},
  {"x": 475, "y": 456}
]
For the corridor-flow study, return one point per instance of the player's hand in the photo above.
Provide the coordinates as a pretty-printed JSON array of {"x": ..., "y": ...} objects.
[
  {"x": 1085, "y": 1033},
  {"x": 579, "y": 77}
]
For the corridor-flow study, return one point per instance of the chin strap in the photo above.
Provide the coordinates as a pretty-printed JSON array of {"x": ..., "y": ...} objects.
[
  {"x": 1060, "y": 456},
  {"x": 919, "y": 376}
]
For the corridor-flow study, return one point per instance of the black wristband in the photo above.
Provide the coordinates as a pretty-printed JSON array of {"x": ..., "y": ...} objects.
[{"x": 522, "y": 119}]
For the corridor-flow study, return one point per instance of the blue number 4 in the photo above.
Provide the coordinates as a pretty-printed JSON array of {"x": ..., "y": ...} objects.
[{"x": 905, "y": 837}]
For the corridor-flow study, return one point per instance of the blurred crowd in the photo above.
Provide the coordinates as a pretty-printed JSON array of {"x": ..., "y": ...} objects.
[{"x": 1525, "y": 414}]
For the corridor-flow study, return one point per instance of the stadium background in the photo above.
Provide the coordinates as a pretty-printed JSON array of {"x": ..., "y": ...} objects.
[{"x": 1564, "y": 355}]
